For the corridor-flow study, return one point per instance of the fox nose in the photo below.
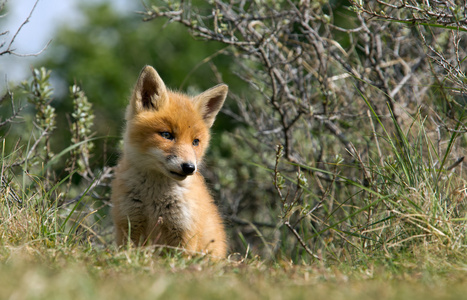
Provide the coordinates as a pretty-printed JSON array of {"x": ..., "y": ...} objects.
[{"x": 188, "y": 168}]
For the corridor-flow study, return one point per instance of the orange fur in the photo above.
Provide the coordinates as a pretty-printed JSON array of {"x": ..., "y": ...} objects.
[{"x": 158, "y": 195}]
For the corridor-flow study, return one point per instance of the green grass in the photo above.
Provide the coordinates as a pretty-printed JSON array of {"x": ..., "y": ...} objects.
[{"x": 77, "y": 273}]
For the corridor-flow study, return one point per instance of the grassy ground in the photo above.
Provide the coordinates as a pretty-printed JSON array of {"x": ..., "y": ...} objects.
[{"x": 29, "y": 272}]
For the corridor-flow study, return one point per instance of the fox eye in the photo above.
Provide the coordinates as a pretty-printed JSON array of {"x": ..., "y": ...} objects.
[
  {"x": 167, "y": 135},
  {"x": 195, "y": 142}
]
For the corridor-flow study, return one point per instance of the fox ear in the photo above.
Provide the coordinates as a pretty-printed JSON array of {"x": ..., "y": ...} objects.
[
  {"x": 210, "y": 102},
  {"x": 150, "y": 92}
]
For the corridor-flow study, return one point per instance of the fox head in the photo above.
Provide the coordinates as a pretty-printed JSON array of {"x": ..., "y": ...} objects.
[{"x": 168, "y": 132}]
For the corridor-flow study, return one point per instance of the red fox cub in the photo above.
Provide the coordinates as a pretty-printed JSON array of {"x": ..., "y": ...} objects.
[{"x": 158, "y": 195}]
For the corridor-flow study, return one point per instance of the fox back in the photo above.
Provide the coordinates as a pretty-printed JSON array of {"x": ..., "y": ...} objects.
[{"x": 158, "y": 195}]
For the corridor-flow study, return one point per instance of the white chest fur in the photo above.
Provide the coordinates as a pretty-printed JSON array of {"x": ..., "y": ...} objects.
[{"x": 160, "y": 199}]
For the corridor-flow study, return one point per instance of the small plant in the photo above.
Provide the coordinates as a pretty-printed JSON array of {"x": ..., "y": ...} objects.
[
  {"x": 39, "y": 93},
  {"x": 81, "y": 130},
  {"x": 35, "y": 191}
]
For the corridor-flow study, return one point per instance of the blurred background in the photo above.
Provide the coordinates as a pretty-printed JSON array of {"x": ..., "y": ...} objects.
[
  {"x": 102, "y": 46},
  {"x": 42, "y": 28}
]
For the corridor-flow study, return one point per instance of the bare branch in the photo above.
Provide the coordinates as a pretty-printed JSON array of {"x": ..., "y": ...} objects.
[{"x": 10, "y": 49}]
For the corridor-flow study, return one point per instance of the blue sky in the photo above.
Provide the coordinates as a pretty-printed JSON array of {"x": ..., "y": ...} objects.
[{"x": 48, "y": 16}]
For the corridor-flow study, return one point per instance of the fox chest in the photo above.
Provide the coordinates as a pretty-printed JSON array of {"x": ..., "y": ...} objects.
[{"x": 161, "y": 206}]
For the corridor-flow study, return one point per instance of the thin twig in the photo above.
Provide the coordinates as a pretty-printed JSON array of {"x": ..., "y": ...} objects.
[
  {"x": 300, "y": 240},
  {"x": 11, "y": 51}
]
